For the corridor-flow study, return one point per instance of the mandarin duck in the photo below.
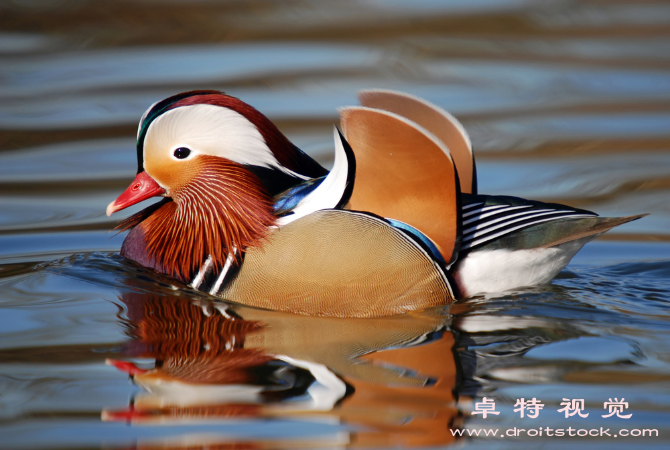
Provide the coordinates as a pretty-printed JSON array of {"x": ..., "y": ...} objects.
[{"x": 396, "y": 225}]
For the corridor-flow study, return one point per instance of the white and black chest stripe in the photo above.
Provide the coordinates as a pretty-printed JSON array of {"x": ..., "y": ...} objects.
[
  {"x": 485, "y": 221},
  {"x": 207, "y": 280}
]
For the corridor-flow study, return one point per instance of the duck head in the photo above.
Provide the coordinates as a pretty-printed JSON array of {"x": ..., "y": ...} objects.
[{"x": 218, "y": 162}]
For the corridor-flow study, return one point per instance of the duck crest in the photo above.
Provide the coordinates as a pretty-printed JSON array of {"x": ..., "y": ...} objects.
[
  {"x": 224, "y": 207},
  {"x": 287, "y": 154}
]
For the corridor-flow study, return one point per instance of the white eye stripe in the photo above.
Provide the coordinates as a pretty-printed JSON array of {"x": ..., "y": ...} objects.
[{"x": 210, "y": 130}]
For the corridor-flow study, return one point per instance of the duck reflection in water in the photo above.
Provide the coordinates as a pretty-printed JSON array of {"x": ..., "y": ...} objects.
[{"x": 388, "y": 381}]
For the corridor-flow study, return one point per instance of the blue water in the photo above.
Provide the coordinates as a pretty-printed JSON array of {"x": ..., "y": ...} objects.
[{"x": 564, "y": 102}]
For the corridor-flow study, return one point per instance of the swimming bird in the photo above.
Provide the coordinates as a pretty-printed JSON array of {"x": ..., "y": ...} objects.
[{"x": 396, "y": 225}]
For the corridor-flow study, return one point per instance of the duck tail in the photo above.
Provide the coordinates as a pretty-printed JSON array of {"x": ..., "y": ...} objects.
[{"x": 591, "y": 227}]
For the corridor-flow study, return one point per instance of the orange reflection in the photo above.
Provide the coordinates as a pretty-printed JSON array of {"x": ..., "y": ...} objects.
[{"x": 384, "y": 381}]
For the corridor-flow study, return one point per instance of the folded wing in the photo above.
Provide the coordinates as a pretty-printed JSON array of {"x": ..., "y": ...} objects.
[
  {"x": 404, "y": 172},
  {"x": 434, "y": 119}
]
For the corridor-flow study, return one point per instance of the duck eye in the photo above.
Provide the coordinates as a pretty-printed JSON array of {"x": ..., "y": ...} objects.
[{"x": 181, "y": 153}]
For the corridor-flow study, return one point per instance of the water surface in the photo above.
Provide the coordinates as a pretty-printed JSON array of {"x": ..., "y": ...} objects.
[{"x": 564, "y": 102}]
